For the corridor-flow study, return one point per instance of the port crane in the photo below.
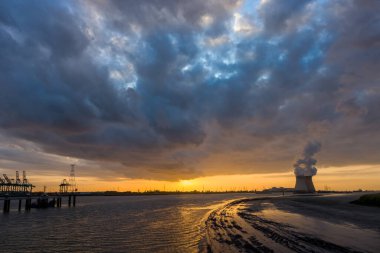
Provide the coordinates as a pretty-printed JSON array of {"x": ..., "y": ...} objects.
[
  {"x": 11, "y": 185},
  {"x": 69, "y": 186}
]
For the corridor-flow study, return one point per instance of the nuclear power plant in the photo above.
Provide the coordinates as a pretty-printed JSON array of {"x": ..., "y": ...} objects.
[
  {"x": 304, "y": 184},
  {"x": 304, "y": 169}
]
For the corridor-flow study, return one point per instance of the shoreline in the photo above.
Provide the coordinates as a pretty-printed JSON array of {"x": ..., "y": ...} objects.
[
  {"x": 150, "y": 193},
  {"x": 299, "y": 223}
]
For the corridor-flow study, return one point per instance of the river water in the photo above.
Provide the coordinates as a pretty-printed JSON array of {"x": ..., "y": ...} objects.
[
  {"x": 166, "y": 223},
  {"x": 176, "y": 223}
]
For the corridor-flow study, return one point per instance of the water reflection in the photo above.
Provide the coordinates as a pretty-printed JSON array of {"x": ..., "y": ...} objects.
[
  {"x": 113, "y": 224},
  {"x": 340, "y": 233}
]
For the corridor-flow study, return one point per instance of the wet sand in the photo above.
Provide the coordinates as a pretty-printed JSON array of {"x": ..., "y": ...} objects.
[{"x": 323, "y": 223}]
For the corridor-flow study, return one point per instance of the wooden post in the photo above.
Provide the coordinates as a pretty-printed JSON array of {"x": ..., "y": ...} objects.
[
  {"x": 7, "y": 204},
  {"x": 69, "y": 200},
  {"x": 74, "y": 200},
  {"x": 28, "y": 204},
  {"x": 19, "y": 205}
]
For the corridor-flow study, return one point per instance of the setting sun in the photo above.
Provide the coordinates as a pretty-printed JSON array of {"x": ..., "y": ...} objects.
[{"x": 186, "y": 182}]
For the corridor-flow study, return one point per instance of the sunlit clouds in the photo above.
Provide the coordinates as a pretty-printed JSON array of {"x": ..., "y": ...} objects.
[{"x": 175, "y": 91}]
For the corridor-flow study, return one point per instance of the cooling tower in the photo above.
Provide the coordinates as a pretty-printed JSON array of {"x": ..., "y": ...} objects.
[{"x": 304, "y": 184}]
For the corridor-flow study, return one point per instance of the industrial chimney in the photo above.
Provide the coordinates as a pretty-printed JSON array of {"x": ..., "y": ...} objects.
[
  {"x": 304, "y": 169},
  {"x": 304, "y": 184}
]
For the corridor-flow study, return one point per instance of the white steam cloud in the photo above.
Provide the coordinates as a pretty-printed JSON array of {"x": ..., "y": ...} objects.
[{"x": 305, "y": 166}]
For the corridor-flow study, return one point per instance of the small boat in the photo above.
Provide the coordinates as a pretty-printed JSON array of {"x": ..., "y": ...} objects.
[{"x": 43, "y": 202}]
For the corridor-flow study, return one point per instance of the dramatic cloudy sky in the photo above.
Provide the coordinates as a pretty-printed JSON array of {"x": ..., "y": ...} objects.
[{"x": 170, "y": 90}]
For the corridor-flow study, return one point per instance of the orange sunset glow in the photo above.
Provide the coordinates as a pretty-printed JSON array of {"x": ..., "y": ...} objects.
[
  {"x": 220, "y": 99},
  {"x": 190, "y": 126},
  {"x": 333, "y": 178}
]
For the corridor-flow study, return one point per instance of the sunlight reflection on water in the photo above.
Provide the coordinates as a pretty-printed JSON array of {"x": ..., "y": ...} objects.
[{"x": 113, "y": 224}]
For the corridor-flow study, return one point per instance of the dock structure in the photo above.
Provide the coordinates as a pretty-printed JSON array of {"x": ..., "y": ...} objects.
[
  {"x": 69, "y": 188},
  {"x": 19, "y": 190},
  {"x": 36, "y": 201},
  {"x": 16, "y": 189},
  {"x": 64, "y": 187},
  {"x": 15, "y": 186}
]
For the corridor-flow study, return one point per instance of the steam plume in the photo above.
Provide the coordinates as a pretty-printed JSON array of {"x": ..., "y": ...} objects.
[{"x": 305, "y": 166}]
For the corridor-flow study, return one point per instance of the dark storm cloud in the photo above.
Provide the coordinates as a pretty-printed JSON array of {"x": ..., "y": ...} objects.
[
  {"x": 277, "y": 15},
  {"x": 179, "y": 89}
]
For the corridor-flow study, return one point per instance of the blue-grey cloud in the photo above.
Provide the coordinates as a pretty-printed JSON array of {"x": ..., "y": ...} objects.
[{"x": 173, "y": 89}]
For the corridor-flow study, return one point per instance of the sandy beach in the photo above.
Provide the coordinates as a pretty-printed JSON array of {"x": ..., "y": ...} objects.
[{"x": 297, "y": 223}]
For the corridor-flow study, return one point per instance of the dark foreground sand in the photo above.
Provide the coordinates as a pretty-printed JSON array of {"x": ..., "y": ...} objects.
[{"x": 324, "y": 223}]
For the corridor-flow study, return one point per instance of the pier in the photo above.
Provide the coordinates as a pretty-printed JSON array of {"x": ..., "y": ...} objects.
[
  {"x": 28, "y": 202},
  {"x": 21, "y": 192}
]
